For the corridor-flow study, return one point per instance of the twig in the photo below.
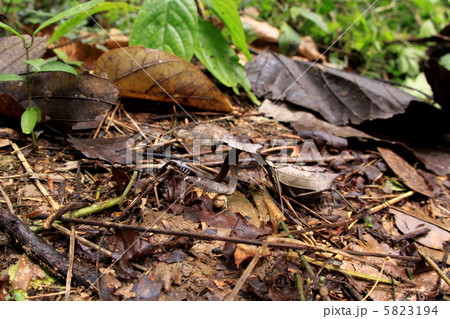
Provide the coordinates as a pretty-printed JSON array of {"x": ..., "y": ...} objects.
[
  {"x": 218, "y": 238},
  {"x": 378, "y": 280},
  {"x": 28, "y": 168},
  {"x": 71, "y": 259},
  {"x": 7, "y": 200},
  {"x": 299, "y": 253},
  {"x": 433, "y": 265},
  {"x": 247, "y": 272}
]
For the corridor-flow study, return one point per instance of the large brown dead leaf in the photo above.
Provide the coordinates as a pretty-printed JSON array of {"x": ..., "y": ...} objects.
[
  {"x": 340, "y": 97},
  {"x": 69, "y": 101},
  {"x": 405, "y": 171},
  {"x": 134, "y": 71},
  {"x": 12, "y": 53}
]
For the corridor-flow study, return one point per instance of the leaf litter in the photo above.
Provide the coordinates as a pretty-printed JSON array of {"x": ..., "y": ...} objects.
[{"x": 344, "y": 235}]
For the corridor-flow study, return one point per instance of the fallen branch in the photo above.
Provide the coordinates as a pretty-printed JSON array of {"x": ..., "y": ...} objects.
[{"x": 36, "y": 247}]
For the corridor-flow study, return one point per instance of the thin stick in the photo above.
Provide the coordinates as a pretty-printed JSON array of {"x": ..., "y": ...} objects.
[
  {"x": 247, "y": 272},
  {"x": 376, "y": 282},
  {"x": 28, "y": 168},
  {"x": 137, "y": 127},
  {"x": 433, "y": 265},
  {"x": 71, "y": 259},
  {"x": 223, "y": 238},
  {"x": 7, "y": 200}
]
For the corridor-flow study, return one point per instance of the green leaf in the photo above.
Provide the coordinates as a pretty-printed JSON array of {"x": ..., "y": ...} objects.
[
  {"x": 10, "y": 77},
  {"x": 307, "y": 14},
  {"x": 394, "y": 185},
  {"x": 221, "y": 60},
  {"x": 70, "y": 24},
  {"x": 29, "y": 120},
  {"x": 63, "y": 57},
  {"x": 227, "y": 12},
  {"x": 19, "y": 295},
  {"x": 68, "y": 13},
  {"x": 288, "y": 41},
  {"x": 36, "y": 64},
  {"x": 7, "y": 27},
  {"x": 445, "y": 61},
  {"x": 168, "y": 25},
  {"x": 427, "y": 29},
  {"x": 58, "y": 66}
]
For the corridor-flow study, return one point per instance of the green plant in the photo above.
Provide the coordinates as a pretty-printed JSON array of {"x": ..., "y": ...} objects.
[
  {"x": 33, "y": 115},
  {"x": 376, "y": 42},
  {"x": 174, "y": 26}
]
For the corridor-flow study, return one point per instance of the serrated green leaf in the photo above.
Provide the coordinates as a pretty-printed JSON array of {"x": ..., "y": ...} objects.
[
  {"x": 227, "y": 12},
  {"x": 288, "y": 41},
  {"x": 7, "y": 27},
  {"x": 221, "y": 60},
  {"x": 312, "y": 16},
  {"x": 58, "y": 66},
  {"x": 168, "y": 25},
  {"x": 70, "y": 24},
  {"x": 28, "y": 121},
  {"x": 10, "y": 77},
  {"x": 68, "y": 13}
]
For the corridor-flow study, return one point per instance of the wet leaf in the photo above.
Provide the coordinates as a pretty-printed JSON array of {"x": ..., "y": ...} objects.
[
  {"x": 405, "y": 171},
  {"x": 132, "y": 69},
  {"x": 67, "y": 101},
  {"x": 340, "y": 97},
  {"x": 12, "y": 53}
]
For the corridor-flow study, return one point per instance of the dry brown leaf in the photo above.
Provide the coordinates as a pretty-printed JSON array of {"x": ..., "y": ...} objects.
[
  {"x": 79, "y": 51},
  {"x": 133, "y": 69},
  {"x": 265, "y": 31},
  {"x": 244, "y": 252},
  {"x": 406, "y": 172},
  {"x": 267, "y": 209},
  {"x": 25, "y": 273},
  {"x": 435, "y": 238}
]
